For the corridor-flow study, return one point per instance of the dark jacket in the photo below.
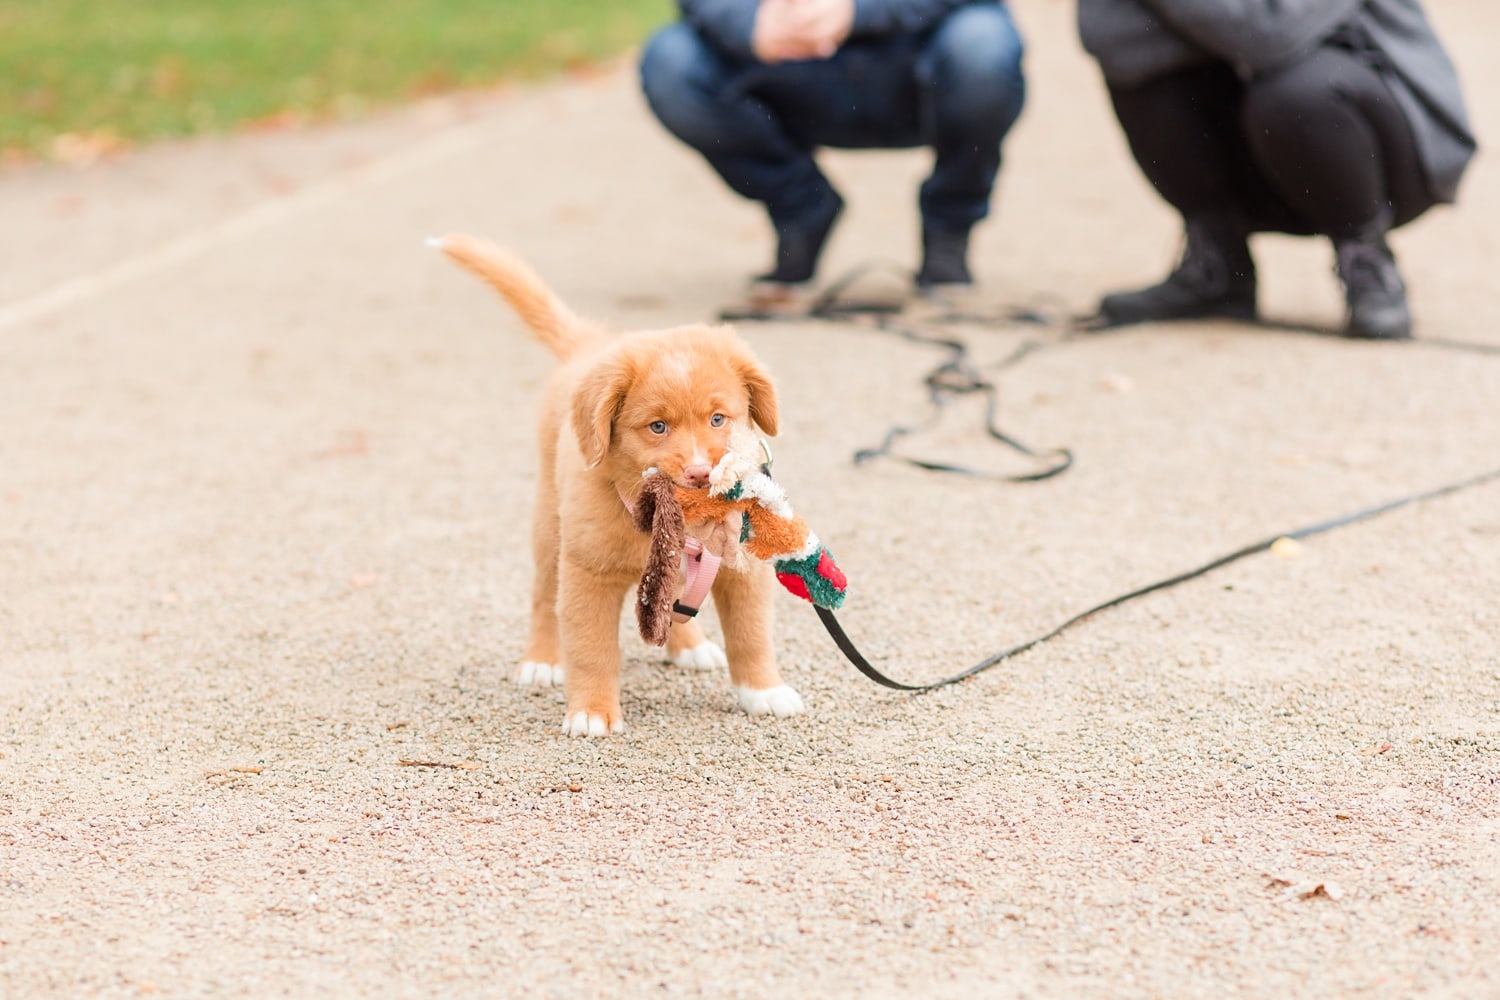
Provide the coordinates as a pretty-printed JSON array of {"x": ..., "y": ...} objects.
[
  {"x": 728, "y": 23},
  {"x": 1137, "y": 40}
]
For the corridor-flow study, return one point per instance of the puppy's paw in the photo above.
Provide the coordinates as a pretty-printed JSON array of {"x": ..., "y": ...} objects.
[
  {"x": 592, "y": 724},
  {"x": 533, "y": 674},
  {"x": 779, "y": 701},
  {"x": 702, "y": 656}
]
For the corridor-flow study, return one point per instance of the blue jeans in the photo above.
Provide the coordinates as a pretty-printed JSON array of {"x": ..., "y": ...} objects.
[{"x": 957, "y": 88}]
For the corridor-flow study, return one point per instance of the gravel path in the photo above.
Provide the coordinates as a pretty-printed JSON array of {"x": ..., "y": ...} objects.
[{"x": 265, "y": 477}]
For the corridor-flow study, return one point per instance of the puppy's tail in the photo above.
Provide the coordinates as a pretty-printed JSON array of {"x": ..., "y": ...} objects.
[{"x": 554, "y": 324}]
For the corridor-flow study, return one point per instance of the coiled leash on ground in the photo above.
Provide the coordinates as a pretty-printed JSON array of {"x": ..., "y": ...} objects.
[{"x": 956, "y": 376}]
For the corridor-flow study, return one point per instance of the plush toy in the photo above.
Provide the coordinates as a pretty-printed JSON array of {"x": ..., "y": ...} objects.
[{"x": 754, "y": 514}]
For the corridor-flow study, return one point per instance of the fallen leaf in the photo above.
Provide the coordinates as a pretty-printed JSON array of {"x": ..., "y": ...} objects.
[
  {"x": 169, "y": 76},
  {"x": 347, "y": 443},
  {"x": 1296, "y": 885},
  {"x": 586, "y": 70},
  {"x": 83, "y": 149},
  {"x": 433, "y": 82},
  {"x": 66, "y": 205},
  {"x": 1328, "y": 888},
  {"x": 1286, "y": 548},
  {"x": 574, "y": 214},
  {"x": 278, "y": 121}
]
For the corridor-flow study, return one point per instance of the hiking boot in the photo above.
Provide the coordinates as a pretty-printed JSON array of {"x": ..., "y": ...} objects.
[
  {"x": 1215, "y": 277},
  {"x": 945, "y": 258},
  {"x": 799, "y": 243},
  {"x": 1373, "y": 289}
]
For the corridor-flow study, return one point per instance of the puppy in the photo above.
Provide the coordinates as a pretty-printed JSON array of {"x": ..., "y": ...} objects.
[{"x": 616, "y": 406}]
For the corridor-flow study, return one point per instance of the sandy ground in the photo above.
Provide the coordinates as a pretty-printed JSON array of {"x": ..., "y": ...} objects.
[{"x": 264, "y": 485}]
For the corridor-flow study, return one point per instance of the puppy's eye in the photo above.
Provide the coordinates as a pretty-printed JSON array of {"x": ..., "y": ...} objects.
[
  {"x": 717, "y": 420},
  {"x": 657, "y": 426}
]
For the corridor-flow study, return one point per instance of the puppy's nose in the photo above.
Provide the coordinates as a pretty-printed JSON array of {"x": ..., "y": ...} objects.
[{"x": 696, "y": 475}]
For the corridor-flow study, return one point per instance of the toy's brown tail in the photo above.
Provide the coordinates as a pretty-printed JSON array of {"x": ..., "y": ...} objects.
[
  {"x": 658, "y": 513},
  {"x": 553, "y": 323}
]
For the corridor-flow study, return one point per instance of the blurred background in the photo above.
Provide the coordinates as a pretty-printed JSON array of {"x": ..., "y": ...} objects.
[{"x": 83, "y": 78}]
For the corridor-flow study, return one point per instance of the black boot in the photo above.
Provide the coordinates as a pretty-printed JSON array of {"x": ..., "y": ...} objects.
[
  {"x": 945, "y": 257},
  {"x": 1216, "y": 277},
  {"x": 1373, "y": 289},
  {"x": 799, "y": 243}
]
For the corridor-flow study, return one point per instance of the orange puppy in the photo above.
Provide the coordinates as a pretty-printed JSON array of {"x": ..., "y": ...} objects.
[{"x": 618, "y": 405}]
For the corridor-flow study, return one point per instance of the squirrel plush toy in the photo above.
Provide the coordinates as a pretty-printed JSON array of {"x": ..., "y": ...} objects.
[{"x": 742, "y": 496}]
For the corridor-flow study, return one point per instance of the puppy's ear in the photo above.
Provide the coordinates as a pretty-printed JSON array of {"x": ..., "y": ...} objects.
[
  {"x": 764, "y": 409},
  {"x": 596, "y": 404}
]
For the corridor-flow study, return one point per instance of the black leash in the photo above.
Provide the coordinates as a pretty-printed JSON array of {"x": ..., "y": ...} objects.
[
  {"x": 956, "y": 376},
  {"x": 852, "y": 653}
]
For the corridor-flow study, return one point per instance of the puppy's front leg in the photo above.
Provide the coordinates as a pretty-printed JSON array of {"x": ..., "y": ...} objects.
[
  {"x": 589, "y": 619},
  {"x": 744, "y": 599}
]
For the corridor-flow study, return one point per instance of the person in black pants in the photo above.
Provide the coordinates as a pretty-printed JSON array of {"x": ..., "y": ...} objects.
[{"x": 1342, "y": 118}]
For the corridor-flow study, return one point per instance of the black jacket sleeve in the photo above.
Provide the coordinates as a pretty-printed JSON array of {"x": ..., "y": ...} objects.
[{"x": 1255, "y": 35}]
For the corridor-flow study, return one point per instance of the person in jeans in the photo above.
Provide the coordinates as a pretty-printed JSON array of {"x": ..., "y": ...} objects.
[
  {"x": 756, "y": 86},
  {"x": 1340, "y": 118}
]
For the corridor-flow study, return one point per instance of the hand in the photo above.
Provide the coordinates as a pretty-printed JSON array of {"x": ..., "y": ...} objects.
[{"x": 787, "y": 30}]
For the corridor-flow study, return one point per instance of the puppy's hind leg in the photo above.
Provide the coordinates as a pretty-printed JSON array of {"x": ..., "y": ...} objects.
[
  {"x": 541, "y": 666},
  {"x": 744, "y": 599},
  {"x": 687, "y": 646}
]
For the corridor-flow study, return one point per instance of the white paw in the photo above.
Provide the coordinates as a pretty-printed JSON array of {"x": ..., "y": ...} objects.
[
  {"x": 702, "y": 656},
  {"x": 586, "y": 724},
  {"x": 779, "y": 701},
  {"x": 533, "y": 674}
]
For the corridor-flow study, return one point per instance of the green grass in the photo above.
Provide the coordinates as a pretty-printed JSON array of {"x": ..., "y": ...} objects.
[{"x": 143, "y": 69}]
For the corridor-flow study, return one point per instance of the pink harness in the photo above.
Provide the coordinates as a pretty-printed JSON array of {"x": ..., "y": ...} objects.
[{"x": 700, "y": 566}]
